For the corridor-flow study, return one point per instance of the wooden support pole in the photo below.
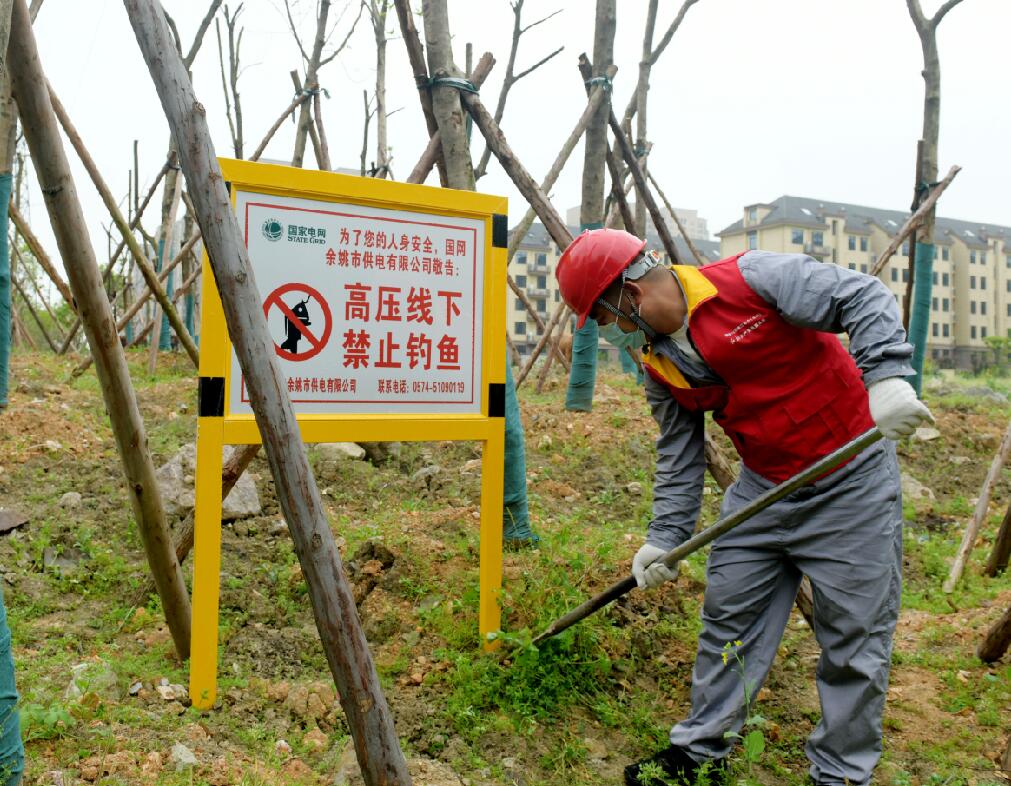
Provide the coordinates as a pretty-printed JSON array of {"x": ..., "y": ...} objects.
[
  {"x": 38, "y": 292},
  {"x": 28, "y": 84},
  {"x": 1001, "y": 547},
  {"x": 997, "y": 639},
  {"x": 40, "y": 255},
  {"x": 915, "y": 221},
  {"x": 165, "y": 236},
  {"x": 313, "y": 136},
  {"x": 146, "y": 269},
  {"x": 347, "y": 651},
  {"x": 295, "y": 104},
  {"x": 416, "y": 57},
  {"x": 34, "y": 314},
  {"x": 979, "y": 514},
  {"x": 237, "y": 463},
  {"x": 556, "y": 317}
]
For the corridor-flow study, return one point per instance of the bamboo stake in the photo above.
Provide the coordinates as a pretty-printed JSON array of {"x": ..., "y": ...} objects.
[
  {"x": 38, "y": 291},
  {"x": 40, "y": 255},
  {"x": 20, "y": 331},
  {"x": 28, "y": 85},
  {"x": 165, "y": 235},
  {"x": 138, "y": 304},
  {"x": 700, "y": 260},
  {"x": 915, "y": 221},
  {"x": 34, "y": 314},
  {"x": 296, "y": 102},
  {"x": 979, "y": 514},
  {"x": 1001, "y": 547},
  {"x": 344, "y": 643},
  {"x": 139, "y": 257},
  {"x": 556, "y": 317}
]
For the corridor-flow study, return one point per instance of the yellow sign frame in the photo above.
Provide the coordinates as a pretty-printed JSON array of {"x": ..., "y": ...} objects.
[{"x": 217, "y": 428}]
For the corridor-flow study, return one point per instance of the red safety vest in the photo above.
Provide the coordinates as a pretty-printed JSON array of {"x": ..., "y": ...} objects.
[{"x": 792, "y": 394}]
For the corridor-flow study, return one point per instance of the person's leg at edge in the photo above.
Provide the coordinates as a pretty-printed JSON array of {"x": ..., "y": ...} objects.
[{"x": 12, "y": 751}]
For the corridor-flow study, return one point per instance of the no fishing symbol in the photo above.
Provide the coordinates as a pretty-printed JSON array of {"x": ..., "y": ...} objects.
[{"x": 298, "y": 324}]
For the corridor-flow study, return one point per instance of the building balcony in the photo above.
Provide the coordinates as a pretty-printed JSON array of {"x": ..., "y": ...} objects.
[
  {"x": 534, "y": 269},
  {"x": 537, "y": 293},
  {"x": 817, "y": 250}
]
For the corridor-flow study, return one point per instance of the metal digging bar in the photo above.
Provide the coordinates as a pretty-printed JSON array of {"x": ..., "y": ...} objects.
[{"x": 693, "y": 544}]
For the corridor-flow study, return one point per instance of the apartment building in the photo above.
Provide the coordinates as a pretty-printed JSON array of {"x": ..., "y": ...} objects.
[
  {"x": 971, "y": 295},
  {"x": 533, "y": 270},
  {"x": 696, "y": 227}
]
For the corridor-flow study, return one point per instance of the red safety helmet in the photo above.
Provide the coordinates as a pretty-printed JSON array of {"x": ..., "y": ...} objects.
[{"x": 589, "y": 265}]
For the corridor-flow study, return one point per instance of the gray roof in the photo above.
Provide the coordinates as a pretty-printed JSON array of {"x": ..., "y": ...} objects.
[
  {"x": 538, "y": 238},
  {"x": 802, "y": 211}
]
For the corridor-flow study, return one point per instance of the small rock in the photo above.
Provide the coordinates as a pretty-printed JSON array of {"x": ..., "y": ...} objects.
[
  {"x": 181, "y": 757},
  {"x": 926, "y": 434},
  {"x": 297, "y": 699},
  {"x": 282, "y": 748},
  {"x": 172, "y": 692},
  {"x": 425, "y": 474},
  {"x": 429, "y": 602},
  {"x": 986, "y": 393},
  {"x": 52, "y": 445},
  {"x": 135, "y": 688},
  {"x": 471, "y": 466},
  {"x": 314, "y": 707},
  {"x": 151, "y": 764},
  {"x": 595, "y": 749},
  {"x": 174, "y": 708},
  {"x": 509, "y": 763},
  {"x": 337, "y": 451},
  {"x": 63, "y": 561},
  {"x": 93, "y": 677},
  {"x": 71, "y": 500},
  {"x": 276, "y": 528},
  {"x": 913, "y": 489},
  {"x": 53, "y": 778},
  {"x": 545, "y": 442},
  {"x": 634, "y": 487},
  {"x": 959, "y": 460},
  {"x": 315, "y": 739},
  {"x": 277, "y": 691},
  {"x": 296, "y": 769},
  {"x": 416, "y": 678},
  {"x": 175, "y": 479}
]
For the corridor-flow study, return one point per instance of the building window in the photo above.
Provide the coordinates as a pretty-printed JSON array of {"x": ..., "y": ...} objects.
[
  {"x": 542, "y": 282},
  {"x": 853, "y": 266},
  {"x": 945, "y": 303},
  {"x": 521, "y": 281},
  {"x": 972, "y": 257},
  {"x": 895, "y": 274},
  {"x": 944, "y": 330},
  {"x": 542, "y": 306},
  {"x": 982, "y": 308},
  {"x": 852, "y": 243},
  {"x": 520, "y": 328},
  {"x": 972, "y": 307},
  {"x": 1008, "y": 259},
  {"x": 752, "y": 215},
  {"x": 972, "y": 332},
  {"x": 933, "y": 304},
  {"x": 982, "y": 257},
  {"x": 905, "y": 249},
  {"x": 818, "y": 238},
  {"x": 972, "y": 282},
  {"x": 752, "y": 240},
  {"x": 863, "y": 245},
  {"x": 944, "y": 253},
  {"x": 558, "y": 295},
  {"x": 935, "y": 278},
  {"x": 1009, "y": 309},
  {"x": 863, "y": 268},
  {"x": 521, "y": 258},
  {"x": 945, "y": 279},
  {"x": 982, "y": 282},
  {"x": 518, "y": 305},
  {"x": 797, "y": 238},
  {"x": 542, "y": 259},
  {"x": 905, "y": 275},
  {"x": 934, "y": 329},
  {"x": 1008, "y": 282},
  {"x": 982, "y": 332},
  {"x": 834, "y": 226}
]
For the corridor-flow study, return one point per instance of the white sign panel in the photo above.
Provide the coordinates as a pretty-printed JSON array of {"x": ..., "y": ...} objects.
[{"x": 371, "y": 310}]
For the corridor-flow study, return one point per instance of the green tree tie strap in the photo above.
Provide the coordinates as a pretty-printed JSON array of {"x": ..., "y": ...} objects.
[
  {"x": 12, "y": 750},
  {"x": 583, "y": 371},
  {"x": 919, "y": 319},
  {"x": 515, "y": 514},
  {"x": 5, "y": 288}
]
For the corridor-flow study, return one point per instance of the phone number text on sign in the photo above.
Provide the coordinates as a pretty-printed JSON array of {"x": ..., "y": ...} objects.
[{"x": 401, "y": 291}]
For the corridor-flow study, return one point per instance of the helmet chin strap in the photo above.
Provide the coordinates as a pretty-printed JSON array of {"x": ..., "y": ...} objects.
[{"x": 632, "y": 317}]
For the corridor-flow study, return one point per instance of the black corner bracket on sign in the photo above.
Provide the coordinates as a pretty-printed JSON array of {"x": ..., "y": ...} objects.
[
  {"x": 211, "y": 397},
  {"x": 500, "y": 231},
  {"x": 496, "y": 400}
]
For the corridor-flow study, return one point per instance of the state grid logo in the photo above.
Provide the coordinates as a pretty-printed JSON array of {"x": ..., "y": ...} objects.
[{"x": 272, "y": 229}]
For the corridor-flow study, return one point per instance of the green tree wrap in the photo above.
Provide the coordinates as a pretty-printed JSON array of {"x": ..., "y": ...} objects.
[
  {"x": 919, "y": 319},
  {"x": 165, "y": 337},
  {"x": 583, "y": 372},
  {"x": 629, "y": 366},
  {"x": 515, "y": 514},
  {"x": 12, "y": 750},
  {"x": 5, "y": 288}
]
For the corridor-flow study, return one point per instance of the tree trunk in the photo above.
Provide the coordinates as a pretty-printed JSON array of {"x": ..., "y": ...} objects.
[
  {"x": 8, "y": 144},
  {"x": 641, "y": 95},
  {"x": 170, "y": 204},
  {"x": 997, "y": 639},
  {"x": 347, "y": 652},
  {"x": 311, "y": 83},
  {"x": 28, "y": 84},
  {"x": 379, "y": 28},
  {"x": 1001, "y": 547}
]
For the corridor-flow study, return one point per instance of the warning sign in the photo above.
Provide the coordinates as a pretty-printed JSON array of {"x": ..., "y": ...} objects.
[
  {"x": 371, "y": 310},
  {"x": 297, "y": 326}
]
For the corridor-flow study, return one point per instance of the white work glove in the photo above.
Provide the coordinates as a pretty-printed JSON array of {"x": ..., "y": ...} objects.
[
  {"x": 647, "y": 571},
  {"x": 895, "y": 408}
]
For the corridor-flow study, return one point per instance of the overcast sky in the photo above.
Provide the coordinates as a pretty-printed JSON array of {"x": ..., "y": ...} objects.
[{"x": 753, "y": 99}]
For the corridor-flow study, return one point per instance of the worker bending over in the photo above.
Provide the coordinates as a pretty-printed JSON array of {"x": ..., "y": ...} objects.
[{"x": 750, "y": 339}]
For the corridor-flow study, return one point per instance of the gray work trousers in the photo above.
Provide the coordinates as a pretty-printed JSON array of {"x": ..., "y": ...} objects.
[{"x": 845, "y": 533}]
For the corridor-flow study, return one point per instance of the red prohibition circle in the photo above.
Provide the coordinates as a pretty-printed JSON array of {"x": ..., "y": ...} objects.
[{"x": 315, "y": 344}]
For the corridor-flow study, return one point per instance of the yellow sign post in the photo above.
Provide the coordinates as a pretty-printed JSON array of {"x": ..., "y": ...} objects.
[{"x": 387, "y": 306}]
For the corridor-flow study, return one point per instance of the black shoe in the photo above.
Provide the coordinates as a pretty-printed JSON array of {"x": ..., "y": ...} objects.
[{"x": 676, "y": 765}]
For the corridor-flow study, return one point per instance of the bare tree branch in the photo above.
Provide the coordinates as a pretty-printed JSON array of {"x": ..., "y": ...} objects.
[
  {"x": 198, "y": 39},
  {"x": 343, "y": 43},
  {"x": 536, "y": 65},
  {"x": 540, "y": 21},
  {"x": 944, "y": 9},
  {"x": 294, "y": 31}
]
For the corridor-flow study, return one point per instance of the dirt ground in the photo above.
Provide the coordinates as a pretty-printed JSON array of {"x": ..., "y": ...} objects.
[{"x": 575, "y": 714}]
